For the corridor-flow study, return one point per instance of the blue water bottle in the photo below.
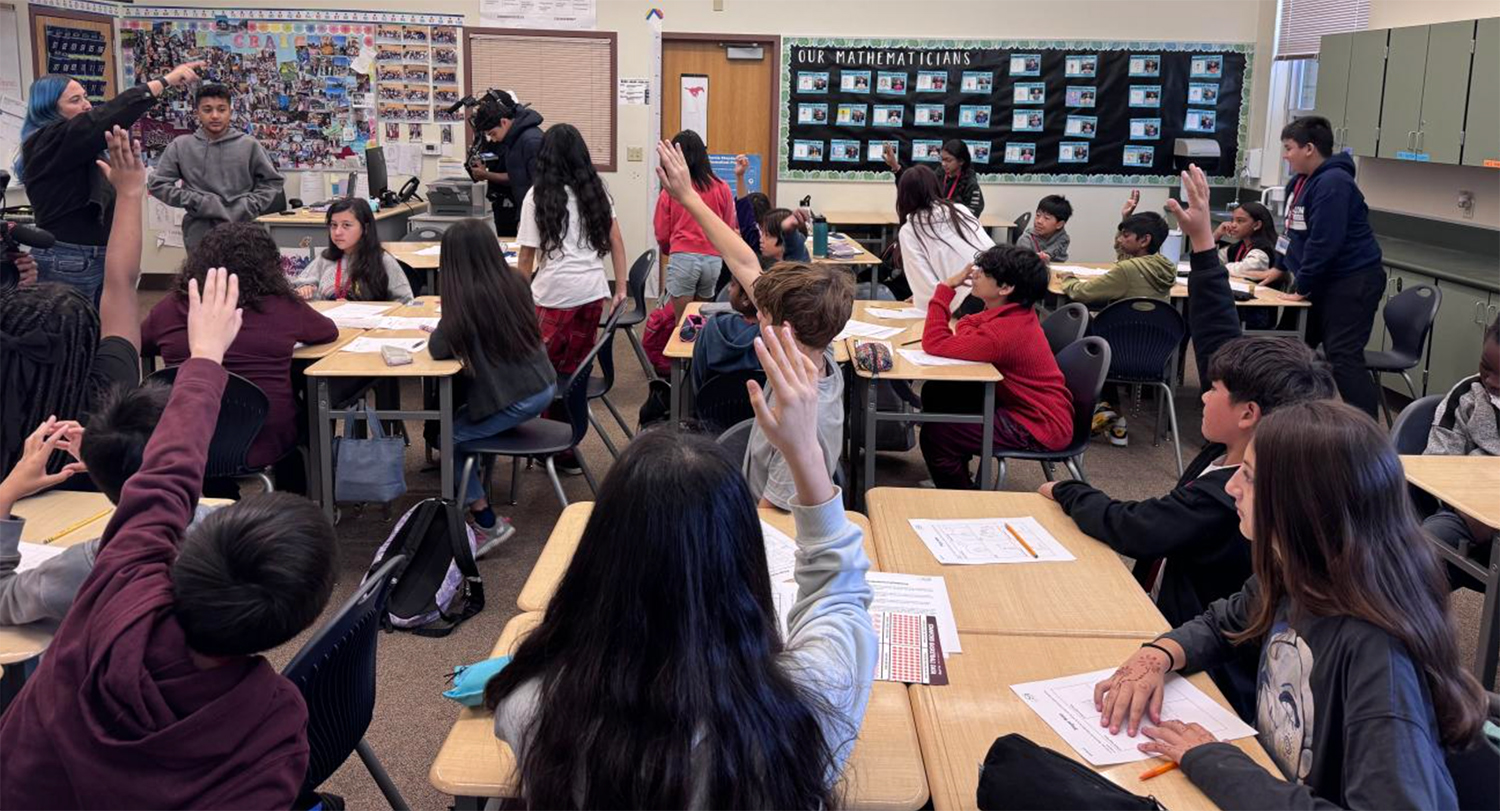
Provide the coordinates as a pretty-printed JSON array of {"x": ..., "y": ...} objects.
[{"x": 820, "y": 236}]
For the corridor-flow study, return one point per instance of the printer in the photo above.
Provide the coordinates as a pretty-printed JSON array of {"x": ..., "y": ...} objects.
[{"x": 456, "y": 197}]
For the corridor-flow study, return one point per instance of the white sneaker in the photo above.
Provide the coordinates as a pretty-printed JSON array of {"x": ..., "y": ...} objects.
[{"x": 495, "y": 535}]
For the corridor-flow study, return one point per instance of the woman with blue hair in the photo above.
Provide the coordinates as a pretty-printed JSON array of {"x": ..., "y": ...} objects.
[{"x": 62, "y": 138}]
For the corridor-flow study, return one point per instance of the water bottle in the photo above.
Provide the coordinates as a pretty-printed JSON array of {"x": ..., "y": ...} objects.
[{"x": 820, "y": 236}]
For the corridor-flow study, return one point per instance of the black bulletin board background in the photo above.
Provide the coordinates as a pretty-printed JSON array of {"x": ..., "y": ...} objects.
[{"x": 1112, "y": 82}]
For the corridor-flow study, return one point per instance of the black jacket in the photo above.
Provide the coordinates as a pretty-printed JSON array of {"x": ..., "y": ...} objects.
[
  {"x": 521, "y": 144},
  {"x": 963, "y": 190},
  {"x": 67, "y": 191},
  {"x": 486, "y": 386}
]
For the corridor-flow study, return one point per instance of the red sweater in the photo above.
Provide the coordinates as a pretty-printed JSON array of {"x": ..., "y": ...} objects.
[
  {"x": 118, "y": 715},
  {"x": 1033, "y": 391},
  {"x": 678, "y": 232}
]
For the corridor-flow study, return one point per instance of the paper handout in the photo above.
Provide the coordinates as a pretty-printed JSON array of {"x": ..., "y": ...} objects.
[
  {"x": 916, "y": 594},
  {"x": 989, "y": 540},
  {"x": 921, "y": 358},
  {"x": 910, "y": 648},
  {"x": 1079, "y": 270},
  {"x": 864, "y": 329},
  {"x": 374, "y": 345},
  {"x": 904, "y": 313},
  {"x": 35, "y": 554},
  {"x": 781, "y": 554}
]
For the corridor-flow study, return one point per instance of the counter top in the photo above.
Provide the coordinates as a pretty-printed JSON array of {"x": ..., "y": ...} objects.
[{"x": 1463, "y": 267}]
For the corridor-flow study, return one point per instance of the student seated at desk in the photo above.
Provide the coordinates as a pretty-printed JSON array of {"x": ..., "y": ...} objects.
[
  {"x": 153, "y": 693},
  {"x": 782, "y": 238},
  {"x": 936, "y": 236},
  {"x": 1048, "y": 234},
  {"x": 1140, "y": 269},
  {"x": 696, "y": 700},
  {"x": 727, "y": 341},
  {"x": 1033, "y": 408},
  {"x": 354, "y": 266},
  {"x": 749, "y": 209},
  {"x": 1247, "y": 244},
  {"x": 1361, "y": 694}
]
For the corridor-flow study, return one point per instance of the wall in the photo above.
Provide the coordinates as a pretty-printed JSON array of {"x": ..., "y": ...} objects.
[{"x": 1093, "y": 226}]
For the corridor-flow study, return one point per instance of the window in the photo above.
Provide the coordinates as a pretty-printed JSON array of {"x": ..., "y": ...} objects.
[{"x": 1302, "y": 23}]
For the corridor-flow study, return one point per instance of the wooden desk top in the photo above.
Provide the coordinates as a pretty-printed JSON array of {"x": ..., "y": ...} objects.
[
  {"x": 305, "y": 216},
  {"x": 410, "y": 253},
  {"x": 958, "y": 723},
  {"x": 884, "y": 771},
  {"x": 678, "y": 349},
  {"x": 1264, "y": 296},
  {"x": 563, "y": 542},
  {"x": 863, "y": 257},
  {"x": 1469, "y": 484},
  {"x": 1094, "y": 595},
  {"x": 319, "y": 351},
  {"x": 370, "y": 364},
  {"x": 888, "y": 217}
]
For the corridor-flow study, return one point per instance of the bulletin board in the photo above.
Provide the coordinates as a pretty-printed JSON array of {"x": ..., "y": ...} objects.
[
  {"x": 1030, "y": 111},
  {"x": 80, "y": 44}
]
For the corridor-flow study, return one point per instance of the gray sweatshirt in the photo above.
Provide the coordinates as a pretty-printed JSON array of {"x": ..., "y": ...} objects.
[
  {"x": 46, "y": 592},
  {"x": 1340, "y": 707},
  {"x": 231, "y": 179},
  {"x": 1467, "y": 422},
  {"x": 1055, "y": 246},
  {"x": 324, "y": 274},
  {"x": 830, "y": 647}
]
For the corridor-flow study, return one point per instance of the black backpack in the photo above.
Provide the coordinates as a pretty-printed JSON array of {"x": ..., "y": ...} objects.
[
  {"x": 438, "y": 587},
  {"x": 1018, "y": 775}
]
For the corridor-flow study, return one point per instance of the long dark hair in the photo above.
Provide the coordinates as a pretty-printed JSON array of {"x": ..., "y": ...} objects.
[
  {"x": 564, "y": 163},
  {"x": 696, "y": 155},
  {"x": 919, "y": 197},
  {"x": 246, "y": 250},
  {"x": 659, "y": 657},
  {"x": 960, "y": 150},
  {"x": 487, "y": 306},
  {"x": 55, "y": 330},
  {"x": 1350, "y": 545},
  {"x": 367, "y": 279},
  {"x": 1263, "y": 237}
]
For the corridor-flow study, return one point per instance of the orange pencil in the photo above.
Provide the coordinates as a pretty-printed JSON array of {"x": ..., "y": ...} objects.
[
  {"x": 1020, "y": 540},
  {"x": 1158, "y": 771}
]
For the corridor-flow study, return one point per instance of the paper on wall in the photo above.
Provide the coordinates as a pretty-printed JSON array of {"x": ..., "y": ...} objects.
[
  {"x": 311, "y": 188},
  {"x": 634, "y": 91},
  {"x": 695, "y": 104},
  {"x": 960, "y": 541},
  {"x": 574, "y": 14}
]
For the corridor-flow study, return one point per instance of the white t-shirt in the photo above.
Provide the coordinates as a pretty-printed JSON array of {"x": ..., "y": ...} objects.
[
  {"x": 572, "y": 275},
  {"x": 927, "y": 261}
]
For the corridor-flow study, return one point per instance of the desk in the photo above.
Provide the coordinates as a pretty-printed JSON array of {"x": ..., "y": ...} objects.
[
  {"x": 563, "y": 542},
  {"x": 958, "y": 723},
  {"x": 292, "y": 228},
  {"x": 410, "y": 254},
  {"x": 1264, "y": 297},
  {"x": 680, "y": 353},
  {"x": 884, "y": 770},
  {"x": 862, "y": 257},
  {"x": 1470, "y": 485},
  {"x": 888, "y": 218},
  {"x": 1092, "y": 596}
]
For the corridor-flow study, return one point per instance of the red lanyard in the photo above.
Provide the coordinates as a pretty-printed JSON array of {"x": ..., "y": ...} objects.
[
  {"x": 1244, "y": 249},
  {"x": 338, "y": 281},
  {"x": 951, "y": 187},
  {"x": 1292, "y": 203}
]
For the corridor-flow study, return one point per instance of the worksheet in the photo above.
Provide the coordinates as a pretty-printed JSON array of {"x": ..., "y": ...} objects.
[
  {"x": 35, "y": 554},
  {"x": 916, "y": 594},
  {"x": 434, "y": 250},
  {"x": 990, "y": 540},
  {"x": 374, "y": 345},
  {"x": 402, "y": 322},
  {"x": 864, "y": 329},
  {"x": 781, "y": 553},
  {"x": 901, "y": 314},
  {"x": 1067, "y": 705},
  {"x": 910, "y": 648},
  {"x": 921, "y": 358},
  {"x": 357, "y": 316},
  {"x": 1079, "y": 270}
]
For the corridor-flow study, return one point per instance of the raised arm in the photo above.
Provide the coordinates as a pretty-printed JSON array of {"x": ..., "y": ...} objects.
[
  {"x": 119, "y": 311},
  {"x": 1212, "y": 319},
  {"x": 84, "y": 131},
  {"x": 676, "y": 181},
  {"x": 741, "y": 165}
]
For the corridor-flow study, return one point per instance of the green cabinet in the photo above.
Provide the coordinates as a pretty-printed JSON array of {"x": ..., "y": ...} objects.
[
  {"x": 1401, "y": 111},
  {"x": 1482, "y": 126},
  {"x": 1445, "y": 91},
  {"x": 1366, "y": 86},
  {"x": 1334, "y": 55},
  {"x": 1458, "y": 334}
]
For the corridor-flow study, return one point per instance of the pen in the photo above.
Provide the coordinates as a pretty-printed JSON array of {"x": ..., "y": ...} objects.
[
  {"x": 1158, "y": 771},
  {"x": 78, "y": 525},
  {"x": 1020, "y": 540}
]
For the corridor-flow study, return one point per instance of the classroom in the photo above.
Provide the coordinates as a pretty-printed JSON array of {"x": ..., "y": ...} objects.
[{"x": 750, "y": 403}]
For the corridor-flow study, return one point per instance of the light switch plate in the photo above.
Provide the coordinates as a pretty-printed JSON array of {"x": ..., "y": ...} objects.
[{"x": 635, "y": 153}]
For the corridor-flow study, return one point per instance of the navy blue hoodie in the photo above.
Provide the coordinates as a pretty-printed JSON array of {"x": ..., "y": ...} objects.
[
  {"x": 521, "y": 144},
  {"x": 1330, "y": 234}
]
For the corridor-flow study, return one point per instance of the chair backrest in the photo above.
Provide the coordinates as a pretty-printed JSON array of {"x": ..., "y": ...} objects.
[
  {"x": 635, "y": 283},
  {"x": 1409, "y": 316},
  {"x": 736, "y": 439},
  {"x": 1414, "y": 423},
  {"x": 873, "y": 291},
  {"x": 242, "y": 412},
  {"x": 335, "y": 672},
  {"x": 575, "y": 390},
  {"x": 1142, "y": 334},
  {"x": 723, "y": 401},
  {"x": 1065, "y": 326},
  {"x": 423, "y": 234},
  {"x": 607, "y": 349},
  {"x": 1019, "y": 227},
  {"x": 1085, "y": 364},
  {"x": 415, "y": 279}
]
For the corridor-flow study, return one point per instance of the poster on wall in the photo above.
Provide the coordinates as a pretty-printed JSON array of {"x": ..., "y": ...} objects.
[
  {"x": 695, "y": 104},
  {"x": 77, "y": 42},
  {"x": 550, "y": 14},
  {"x": 1027, "y": 111}
]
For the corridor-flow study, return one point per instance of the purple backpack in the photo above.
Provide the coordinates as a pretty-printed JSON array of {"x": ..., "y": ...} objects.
[{"x": 438, "y": 587}]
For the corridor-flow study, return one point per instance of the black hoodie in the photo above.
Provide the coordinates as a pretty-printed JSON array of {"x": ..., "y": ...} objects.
[{"x": 521, "y": 144}]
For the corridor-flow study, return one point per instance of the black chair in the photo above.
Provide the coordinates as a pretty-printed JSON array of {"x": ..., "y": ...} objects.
[
  {"x": 635, "y": 288},
  {"x": 242, "y": 413},
  {"x": 1018, "y": 227},
  {"x": 723, "y": 401},
  {"x": 1408, "y": 320},
  {"x": 599, "y": 388},
  {"x": 1085, "y": 364},
  {"x": 425, "y": 233},
  {"x": 1065, "y": 326},
  {"x": 736, "y": 439},
  {"x": 873, "y": 291},
  {"x": 335, "y": 672},
  {"x": 1414, "y": 423},
  {"x": 1144, "y": 335},
  {"x": 1474, "y": 769}
]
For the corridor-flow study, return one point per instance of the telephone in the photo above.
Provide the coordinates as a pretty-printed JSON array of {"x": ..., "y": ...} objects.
[{"x": 408, "y": 192}]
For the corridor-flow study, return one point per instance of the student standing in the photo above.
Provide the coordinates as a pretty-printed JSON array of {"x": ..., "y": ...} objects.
[
  {"x": 1331, "y": 251},
  {"x": 218, "y": 173},
  {"x": 937, "y": 236},
  {"x": 693, "y": 262},
  {"x": 516, "y": 132},
  {"x": 960, "y": 183},
  {"x": 355, "y": 265}
]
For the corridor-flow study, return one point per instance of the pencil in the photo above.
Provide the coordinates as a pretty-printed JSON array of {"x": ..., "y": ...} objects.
[
  {"x": 1158, "y": 771},
  {"x": 912, "y": 341},
  {"x": 1020, "y": 540},
  {"x": 78, "y": 525}
]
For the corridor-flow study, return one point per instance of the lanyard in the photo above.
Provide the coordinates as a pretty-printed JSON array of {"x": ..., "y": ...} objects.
[
  {"x": 338, "y": 280},
  {"x": 951, "y": 187},
  {"x": 1243, "y": 250},
  {"x": 1292, "y": 203}
]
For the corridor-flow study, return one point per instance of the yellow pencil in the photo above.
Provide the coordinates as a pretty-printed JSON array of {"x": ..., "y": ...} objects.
[
  {"x": 1158, "y": 771},
  {"x": 1020, "y": 540},
  {"x": 78, "y": 525}
]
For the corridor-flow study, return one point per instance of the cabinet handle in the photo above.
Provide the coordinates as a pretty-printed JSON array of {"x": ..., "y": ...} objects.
[
  {"x": 1421, "y": 139},
  {"x": 1490, "y": 312},
  {"x": 1479, "y": 308},
  {"x": 1399, "y": 283},
  {"x": 1411, "y": 140}
]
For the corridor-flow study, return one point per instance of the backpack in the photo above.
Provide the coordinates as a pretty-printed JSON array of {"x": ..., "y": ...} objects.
[{"x": 438, "y": 587}]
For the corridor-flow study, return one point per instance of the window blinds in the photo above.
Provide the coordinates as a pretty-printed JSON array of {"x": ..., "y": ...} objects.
[
  {"x": 567, "y": 78},
  {"x": 1304, "y": 22}
]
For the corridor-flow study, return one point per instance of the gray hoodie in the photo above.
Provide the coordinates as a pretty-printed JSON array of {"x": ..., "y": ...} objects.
[{"x": 231, "y": 179}]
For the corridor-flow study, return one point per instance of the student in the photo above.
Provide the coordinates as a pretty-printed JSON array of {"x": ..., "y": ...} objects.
[
  {"x": 1048, "y": 234},
  {"x": 1360, "y": 686},
  {"x": 488, "y": 164},
  {"x": 153, "y": 692},
  {"x": 693, "y": 262},
  {"x": 490, "y": 323},
  {"x": 1332, "y": 254},
  {"x": 960, "y": 183},
  {"x": 218, "y": 173},
  {"x": 727, "y": 341},
  {"x": 749, "y": 209},
  {"x": 61, "y": 356},
  {"x": 814, "y": 300},
  {"x": 355, "y": 265},
  {"x": 1248, "y": 244},
  {"x": 110, "y": 452},
  {"x": 1467, "y": 423},
  {"x": 1139, "y": 270},
  {"x": 733, "y": 714},
  {"x": 936, "y": 236},
  {"x": 782, "y": 238},
  {"x": 276, "y": 320},
  {"x": 61, "y": 139},
  {"x": 1033, "y": 408},
  {"x": 515, "y": 130}
]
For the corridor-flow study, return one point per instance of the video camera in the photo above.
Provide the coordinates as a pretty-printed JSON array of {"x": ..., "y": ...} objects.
[
  {"x": 499, "y": 97},
  {"x": 14, "y": 235}
]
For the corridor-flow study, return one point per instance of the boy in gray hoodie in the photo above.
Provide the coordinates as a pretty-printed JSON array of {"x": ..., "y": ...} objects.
[{"x": 225, "y": 175}]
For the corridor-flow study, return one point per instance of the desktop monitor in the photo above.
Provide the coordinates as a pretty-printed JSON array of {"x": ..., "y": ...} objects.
[{"x": 376, "y": 171}]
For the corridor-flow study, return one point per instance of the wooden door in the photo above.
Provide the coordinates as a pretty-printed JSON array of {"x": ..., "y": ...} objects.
[{"x": 741, "y": 98}]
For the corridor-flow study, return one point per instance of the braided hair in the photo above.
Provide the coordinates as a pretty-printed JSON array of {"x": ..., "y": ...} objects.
[{"x": 48, "y": 336}]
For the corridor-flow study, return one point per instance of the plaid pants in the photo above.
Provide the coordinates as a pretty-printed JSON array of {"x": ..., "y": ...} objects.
[{"x": 569, "y": 334}]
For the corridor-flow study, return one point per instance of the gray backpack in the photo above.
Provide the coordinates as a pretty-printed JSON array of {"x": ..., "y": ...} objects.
[{"x": 438, "y": 587}]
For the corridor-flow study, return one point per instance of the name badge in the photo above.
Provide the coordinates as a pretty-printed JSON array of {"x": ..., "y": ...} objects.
[
  {"x": 1282, "y": 243},
  {"x": 1299, "y": 220}
]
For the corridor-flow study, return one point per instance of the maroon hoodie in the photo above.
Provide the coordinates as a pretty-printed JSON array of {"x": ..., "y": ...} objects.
[{"x": 118, "y": 715}]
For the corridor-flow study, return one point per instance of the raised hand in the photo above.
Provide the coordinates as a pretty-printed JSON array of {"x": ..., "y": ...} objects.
[
  {"x": 1130, "y": 203},
  {"x": 184, "y": 73},
  {"x": 125, "y": 169},
  {"x": 1194, "y": 220},
  {"x": 888, "y": 153},
  {"x": 672, "y": 170},
  {"x": 792, "y": 425},
  {"x": 741, "y": 165},
  {"x": 213, "y": 318}
]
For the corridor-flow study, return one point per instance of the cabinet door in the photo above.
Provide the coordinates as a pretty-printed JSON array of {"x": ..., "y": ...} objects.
[
  {"x": 1366, "y": 86},
  {"x": 1445, "y": 90},
  {"x": 1457, "y": 335},
  {"x": 1401, "y": 111},
  {"x": 1377, "y": 329},
  {"x": 1482, "y": 127},
  {"x": 1333, "y": 80}
]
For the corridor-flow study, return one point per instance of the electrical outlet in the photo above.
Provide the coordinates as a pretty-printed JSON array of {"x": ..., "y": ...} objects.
[
  {"x": 1466, "y": 203},
  {"x": 635, "y": 153}
]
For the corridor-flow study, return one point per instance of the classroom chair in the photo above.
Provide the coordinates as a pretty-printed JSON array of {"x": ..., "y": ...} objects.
[
  {"x": 599, "y": 388},
  {"x": 1414, "y": 423},
  {"x": 1408, "y": 320},
  {"x": 1143, "y": 335},
  {"x": 1018, "y": 227},
  {"x": 635, "y": 288},
  {"x": 242, "y": 412},
  {"x": 1085, "y": 364},
  {"x": 1065, "y": 326},
  {"x": 723, "y": 400},
  {"x": 736, "y": 439},
  {"x": 425, "y": 233},
  {"x": 335, "y": 672}
]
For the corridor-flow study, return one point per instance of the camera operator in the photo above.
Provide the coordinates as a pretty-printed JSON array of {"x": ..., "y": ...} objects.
[{"x": 513, "y": 132}]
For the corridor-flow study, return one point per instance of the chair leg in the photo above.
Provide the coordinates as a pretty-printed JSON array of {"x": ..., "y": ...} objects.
[
  {"x": 603, "y": 437},
  {"x": 640, "y": 352},
  {"x": 1172, "y": 418},
  {"x": 462, "y": 485},
  {"x": 1411, "y": 388},
  {"x": 1385, "y": 407},
  {"x": 265, "y": 481},
  {"x": 618, "y": 418},
  {"x": 556, "y": 483},
  {"x": 515, "y": 477},
  {"x": 1049, "y": 470},
  {"x": 377, "y": 771},
  {"x": 588, "y": 473},
  {"x": 1156, "y": 426},
  {"x": 1000, "y": 473},
  {"x": 1075, "y": 466}
]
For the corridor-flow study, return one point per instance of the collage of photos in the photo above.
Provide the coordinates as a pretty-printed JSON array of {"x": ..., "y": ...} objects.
[
  {"x": 977, "y": 81},
  {"x": 929, "y": 115},
  {"x": 1140, "y": 156},
  {"x": 1200, "y": 121},
  {"x": 1081, "y": 67},
  {"x": 1203, "y": 93}
]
